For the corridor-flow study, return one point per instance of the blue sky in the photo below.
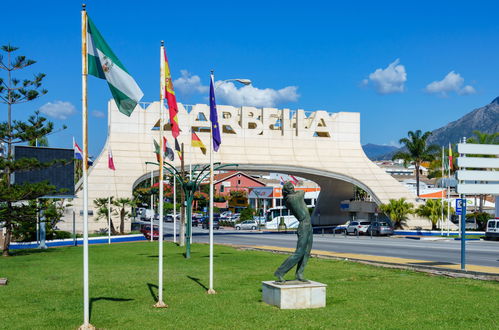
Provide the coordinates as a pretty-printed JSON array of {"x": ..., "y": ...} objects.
[{"x": 402, "y": 66}]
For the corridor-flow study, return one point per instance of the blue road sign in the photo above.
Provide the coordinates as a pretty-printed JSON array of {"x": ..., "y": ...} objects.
[{"x": 459, "y": 206}]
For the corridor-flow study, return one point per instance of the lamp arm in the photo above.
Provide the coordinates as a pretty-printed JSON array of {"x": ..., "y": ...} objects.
[{"x": 200, "y": 173}]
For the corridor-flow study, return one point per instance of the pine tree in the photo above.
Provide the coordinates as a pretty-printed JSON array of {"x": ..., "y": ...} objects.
[{"x": 14, "y": 198}]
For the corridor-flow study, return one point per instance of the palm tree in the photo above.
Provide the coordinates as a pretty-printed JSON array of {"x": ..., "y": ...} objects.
[
  {"x": 432, "y": 210},
  {"x": 122, "y": 204},
  {"x": 417, "y": 151},
  {"x": 397, "y": 210},
  {"x": 103, "y": 210},
  {"x": 483, "y": 138}
]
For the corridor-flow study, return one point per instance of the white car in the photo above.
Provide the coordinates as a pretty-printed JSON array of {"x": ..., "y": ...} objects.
[
  {"x": 358, "y": 227},
  {"x": 492, "y": 229},
  {"x": 247, "y": 224}
]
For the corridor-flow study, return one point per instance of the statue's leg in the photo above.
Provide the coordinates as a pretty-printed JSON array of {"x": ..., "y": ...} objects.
[
  {"x": 291, "y": 261},
  {"x": 303, "y": 261}
]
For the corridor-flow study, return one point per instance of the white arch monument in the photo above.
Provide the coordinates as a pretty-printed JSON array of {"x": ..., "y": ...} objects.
[{"x": 321, "y": 146}]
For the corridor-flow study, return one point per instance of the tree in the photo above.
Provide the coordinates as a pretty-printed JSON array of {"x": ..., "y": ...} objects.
[
  {"x": 103, "y": 211},
  {"x": 484, "y": 138},
  {"x": 432, "y": 209},
  {"x": 51, "y": 210},
  {"x": 12, "y": 90},
  {"x": 397, "y": 210},
  {"x": 417, "y": 151},
  {"x": 122, "y": 204},
  {"x": 14, "y": 198}
]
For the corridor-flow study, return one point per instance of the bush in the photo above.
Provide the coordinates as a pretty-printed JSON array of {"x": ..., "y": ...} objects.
[
  {"x": 481, "y": 219},
  {"x": 226, "y": 223},
  {"x": 247, "y": 214},
  {"x": 61, "y": 234}
]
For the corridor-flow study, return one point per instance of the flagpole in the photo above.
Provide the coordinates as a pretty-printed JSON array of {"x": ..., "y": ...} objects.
[
  {"x": 151, "y": 219},
  {"x": 174, "y": 210},
  {"x": 84, "y": 114},
  {"x": 108, "y": 219},
  {"x": 190, "y": 175},
  {"x": 160, "y": 303},
  {"x": 448, "y": 194},
  {"x": 210, "y": 289},
  {"x": 442, "y": 195}
]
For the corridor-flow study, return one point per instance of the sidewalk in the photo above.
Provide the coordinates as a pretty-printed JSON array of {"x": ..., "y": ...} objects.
[{"x": 414, "y": 263}]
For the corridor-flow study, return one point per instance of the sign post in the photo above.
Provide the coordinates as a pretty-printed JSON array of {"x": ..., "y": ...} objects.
[
  {"x": 463, "y": 234},
  {"x": 476, "y": 175}
]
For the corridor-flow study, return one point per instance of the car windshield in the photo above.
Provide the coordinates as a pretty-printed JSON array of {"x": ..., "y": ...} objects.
[
  {"x": 365, "y": 223},
  {"x": 491, "y": 224},
  {"x": 383, "y": 224}
]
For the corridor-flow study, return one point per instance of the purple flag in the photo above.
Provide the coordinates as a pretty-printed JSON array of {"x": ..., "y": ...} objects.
[{"x": 215, "y": 129}]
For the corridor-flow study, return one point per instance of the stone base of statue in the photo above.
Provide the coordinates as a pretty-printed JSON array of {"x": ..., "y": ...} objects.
[{"x": 294, "y": 294}]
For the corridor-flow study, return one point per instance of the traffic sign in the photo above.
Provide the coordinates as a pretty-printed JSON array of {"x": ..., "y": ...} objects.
[{"x": 459, "y": 206}]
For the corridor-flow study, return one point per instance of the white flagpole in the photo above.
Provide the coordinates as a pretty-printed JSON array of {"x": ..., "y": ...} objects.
[
  {"x": 448, "y": 194},
  {"x": 160, "y": 303},
  {"x": 151, "y": 219},
  {"x": 84, "y": 113},
  {"x": 190, "y": 175},
  {"x": 211, "y": 290},
  {"x": 109, "y": 220},
  {"x": 174, "y": 209},
  {"x": 442, "y": 196}
]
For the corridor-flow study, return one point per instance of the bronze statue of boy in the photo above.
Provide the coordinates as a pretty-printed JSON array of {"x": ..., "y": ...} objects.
[{"x": 294, "y": 201}]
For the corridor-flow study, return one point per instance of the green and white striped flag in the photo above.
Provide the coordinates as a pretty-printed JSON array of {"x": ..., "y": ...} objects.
[{"x": 104, "y": 64}]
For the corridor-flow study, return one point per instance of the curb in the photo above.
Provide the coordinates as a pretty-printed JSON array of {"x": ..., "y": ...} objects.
[{"x": 449, "y": 272}]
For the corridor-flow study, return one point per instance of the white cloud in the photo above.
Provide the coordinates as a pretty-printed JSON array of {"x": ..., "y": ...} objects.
[
  {"x": 388, "y": 80},
  {"x": 252, "y": 96},
  {"x": 189, "y": 84},
  {"x": 98, "y": 114},
  {"x": 229, "y": 93},
  {"x": 452, "y": 82},
  {"x": 58, "y": 109}
]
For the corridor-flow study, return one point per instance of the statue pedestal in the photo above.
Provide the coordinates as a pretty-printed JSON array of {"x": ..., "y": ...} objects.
[{"x": 294, "y": 294}]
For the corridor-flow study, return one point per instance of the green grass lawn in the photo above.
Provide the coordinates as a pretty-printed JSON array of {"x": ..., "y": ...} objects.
[{"x": 45, "y": 291}]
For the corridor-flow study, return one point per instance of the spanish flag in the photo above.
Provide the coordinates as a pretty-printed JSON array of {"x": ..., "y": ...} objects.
[
  {"x": 450, "y": 156},
  {"x": 169, "y": 95},
  {"x": 196, "y": 142}
]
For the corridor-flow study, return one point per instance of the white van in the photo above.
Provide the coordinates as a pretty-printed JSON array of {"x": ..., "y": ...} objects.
[
  {"x": 273, "y": 216},
  {"x": 492, "y": 230}
]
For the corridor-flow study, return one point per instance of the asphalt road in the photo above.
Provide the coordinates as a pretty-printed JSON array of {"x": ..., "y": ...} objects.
[{"x": 483, "y": 253}]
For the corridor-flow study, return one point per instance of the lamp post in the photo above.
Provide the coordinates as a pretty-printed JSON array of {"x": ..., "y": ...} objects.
[
  {"x": 190, "y": 187},
  {"x": 243, "y": 81}
]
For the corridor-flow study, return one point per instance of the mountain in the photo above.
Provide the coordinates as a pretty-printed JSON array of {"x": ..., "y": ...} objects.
[
  {"x": 373, "y": 151},
  {"x": 484, "y": 119}
]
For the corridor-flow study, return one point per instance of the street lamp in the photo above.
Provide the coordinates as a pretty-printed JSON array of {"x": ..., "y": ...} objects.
[{"x": 243, "y": 81}]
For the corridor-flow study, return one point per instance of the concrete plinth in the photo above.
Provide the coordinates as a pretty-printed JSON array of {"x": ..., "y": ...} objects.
[{"x": 294, "y": 294}]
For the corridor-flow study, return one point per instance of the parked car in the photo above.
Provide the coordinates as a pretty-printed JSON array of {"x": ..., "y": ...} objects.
[
  {"x": 339, "y": 229},
  {"x": 380, "y": 228},
  {"x": 492, "y": 231},
  {"x": 358, "y": 227},
  {"x": 247, "y": 224},
  {"x": 206, "y": 224},
  {"x": 146, "y": 231},
  {"x": 169, "y": 217},
  {"x": 226, "y": 214},
  {"x": 196, "y": 221}
]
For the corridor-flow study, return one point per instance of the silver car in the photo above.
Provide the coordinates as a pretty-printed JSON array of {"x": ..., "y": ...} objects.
[
  {"x": 380, "y": 228},
  {"x": 247, "y": 224}
]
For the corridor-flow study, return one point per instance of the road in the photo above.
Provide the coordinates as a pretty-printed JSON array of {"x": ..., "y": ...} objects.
[{"x": 482, "y": 253}]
